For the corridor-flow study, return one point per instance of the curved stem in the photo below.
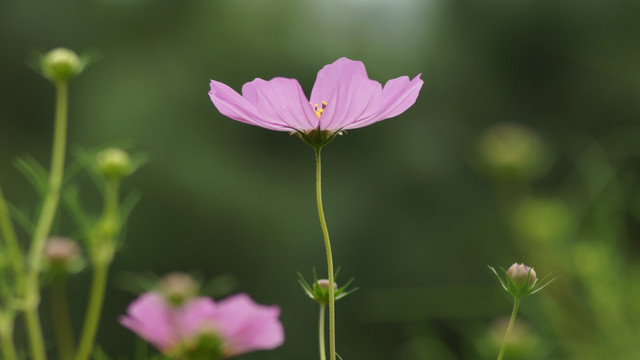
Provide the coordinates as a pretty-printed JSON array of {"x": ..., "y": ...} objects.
[
  {"x": 327, "y": 244},
  {"x": 63, "y": 330},
  {"x": 43, "y": 226},
  {"x": 323, "y": 356},
  {"x": 516, "y": 303}
]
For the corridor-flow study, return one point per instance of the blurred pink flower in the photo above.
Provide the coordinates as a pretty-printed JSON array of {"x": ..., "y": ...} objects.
[
  {"x": 342, "y": 98},
  {"x": 237, "y": 322}
]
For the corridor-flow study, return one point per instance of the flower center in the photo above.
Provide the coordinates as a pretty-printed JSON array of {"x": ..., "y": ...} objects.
[{"x": 319, "y": 109}]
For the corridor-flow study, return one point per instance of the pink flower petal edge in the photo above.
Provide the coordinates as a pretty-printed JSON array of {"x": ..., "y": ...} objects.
[
  {"x": 248, "y": 326},
  {"x": 342, "y": 98}
]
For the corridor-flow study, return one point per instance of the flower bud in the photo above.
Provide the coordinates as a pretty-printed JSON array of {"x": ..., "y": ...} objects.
[
  {"x": 61, "y": 64},
  {"x": 113, "y": 163},
  {"x": 519, "y": 273},
  {"x": 318, "y": 290},
  {"x": 62, "y": 255},
  {"x": 178, "y": 287},
  {"x": 521, "y": 280},
  {"x": 324, "y": 285}
]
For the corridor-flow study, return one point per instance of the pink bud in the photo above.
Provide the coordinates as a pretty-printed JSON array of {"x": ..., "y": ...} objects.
[
  {"x": 519, "y": 272},
  {"x": 324, "y": 284},
  {"x": 178, "y": 287}
]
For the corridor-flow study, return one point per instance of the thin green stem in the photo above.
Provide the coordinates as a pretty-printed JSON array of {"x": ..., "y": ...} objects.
[
  {"x": 6, "y": 337},
  {"x": 92, "y": 319},
  {"x": 11, "y": 242},
  {"x": 43, "y": 226},
  {"x": 102, "y": 251},
  {"x": 516, "y": 303},
  {"x": 17, "y": 264},
  {"x": 327, "y": 245},
  {"x": 323, "y": 356},
  {"x": 63, "y": 330}
]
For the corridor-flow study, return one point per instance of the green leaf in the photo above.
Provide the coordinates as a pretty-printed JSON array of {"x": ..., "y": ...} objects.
[
  {"x": 35, "y": 173},
  {"x": 22, "y": 219}
]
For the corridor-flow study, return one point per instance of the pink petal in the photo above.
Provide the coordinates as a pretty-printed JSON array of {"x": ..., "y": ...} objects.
[
  {"x": 281, "y": 102},
  {"x": 247, "y": 326},
  {"x": 148, "y": 316},
  {"x": 355, "y": 98},
  {"x": 193, "y": 317},
  {"x": 330, "y": 76},
  {"x": 232, "y": 105},
  {"x": 399, "y": 94}
]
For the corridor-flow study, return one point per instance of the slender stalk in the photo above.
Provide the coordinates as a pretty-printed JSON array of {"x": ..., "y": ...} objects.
[
  {"x": 17, "y": 263},
  {"x": 6, "y": 337},
  {"x": 43, "y": 226},
  {"x": 63, "y": 330},
  {"x": 323, "y": 356},
  {"x": 102, "y": 255},
  {"x": 11, "y": 242},
  {"x": 327, "y": 245},
  {"x": 516, "y": 303},
  {"x": 92, "y": 319}
]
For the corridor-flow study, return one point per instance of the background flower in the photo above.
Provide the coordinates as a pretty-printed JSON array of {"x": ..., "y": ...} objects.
[{"x": 237, "y": 322}]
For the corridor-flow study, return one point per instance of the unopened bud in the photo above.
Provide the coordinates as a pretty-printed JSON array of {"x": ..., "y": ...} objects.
[
  {"x": 319, "y": 289},
  {"x": 178, "y": 287},
  {"x": 521, "y": 280},
  {"x": 113, "y": 163},
  {"x": 62, "y": 255},
  {"x": 324, "y": 284},
  {"x": 519, "y": 273},
  {"x": 61, "y": 65}
]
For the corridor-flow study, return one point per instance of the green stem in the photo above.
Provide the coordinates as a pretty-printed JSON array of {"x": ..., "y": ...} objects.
[
  {"x": 516, "y": 303},
  {"x": 63, "y": 330},
  {"x": 11, "y": 241},
  {"x": 6, "y": 337},
  {"x": 321, "y": 333},
  {"x": 102, "y": 244},
  {"x": 92, "y": 319},
  {"x": 327, "y": 245},
  {"x": 43, "y": 226}
]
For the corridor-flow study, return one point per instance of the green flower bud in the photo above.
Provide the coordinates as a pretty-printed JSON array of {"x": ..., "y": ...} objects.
[
  {"x": 178, "y": 287},
  {"x": 113, "y": 163},
  {"x": 61, "y": 65},
  {"x": 520, "y": 280},
  {"x": 521, "y": 274},
  {"x": 323, "y": 284},
  {"x": 62, "y": 256},
  {"x": 319, "y": 291}
]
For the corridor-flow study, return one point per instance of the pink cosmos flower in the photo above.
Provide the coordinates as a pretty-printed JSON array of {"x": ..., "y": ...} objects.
[
  {"x": 237, "y": 322},
  {"x": 342, "y": 98}
]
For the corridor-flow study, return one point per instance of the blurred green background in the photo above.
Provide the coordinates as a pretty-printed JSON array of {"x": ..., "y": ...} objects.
[{"x": 523, "y": 145}]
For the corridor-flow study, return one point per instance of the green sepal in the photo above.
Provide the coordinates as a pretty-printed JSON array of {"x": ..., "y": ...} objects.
[
  {"x": 321, "y": 295},
  {"x": 317, "y": 138}
]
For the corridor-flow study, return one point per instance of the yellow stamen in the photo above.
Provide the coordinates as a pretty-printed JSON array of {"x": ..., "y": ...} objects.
[{"x": 320, "y": 110}]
